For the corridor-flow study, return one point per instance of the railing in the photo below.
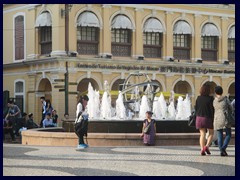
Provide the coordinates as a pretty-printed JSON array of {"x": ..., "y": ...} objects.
[
  {"x": 150, "y": 51},
  {"x": 119, "y": 49},
  {"x": 87, "y": 48},
  {"x": 46, "y": 47},
  {"x": 231, "y": 56},
  {"x": 181, "y": 53},
  {"x": 209, "y": 55}
]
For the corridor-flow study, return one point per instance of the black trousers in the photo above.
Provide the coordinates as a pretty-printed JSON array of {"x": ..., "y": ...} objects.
[
  {"x": 80, "y": 139},
  {"x": 10, "y": 131}
]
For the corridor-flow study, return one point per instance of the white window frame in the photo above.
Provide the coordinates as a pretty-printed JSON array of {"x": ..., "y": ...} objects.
[{"x": 20, "y": 93}]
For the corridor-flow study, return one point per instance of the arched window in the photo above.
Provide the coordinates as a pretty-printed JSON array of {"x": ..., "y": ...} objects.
[
  {"x": 121, "y": 36},
  {"x": 181, "y": 40},
  {"x": 19, "y": 37},
  {"x": 87, "y": 33},
  {"x": 152, "y": 38},
  {"x": 44, "y": 23},
  {"x": 231, "y": 44},
  {"x": 209, "y": 42}
]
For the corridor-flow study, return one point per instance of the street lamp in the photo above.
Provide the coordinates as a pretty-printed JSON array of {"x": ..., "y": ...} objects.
[{"x": 66, "y": 10}]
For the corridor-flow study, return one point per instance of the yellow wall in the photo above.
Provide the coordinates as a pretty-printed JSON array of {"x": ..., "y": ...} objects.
[{"x": 32, "y": 74}]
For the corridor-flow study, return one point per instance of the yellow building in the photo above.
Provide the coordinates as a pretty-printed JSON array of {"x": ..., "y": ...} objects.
[{"x": 181, "y": 46}]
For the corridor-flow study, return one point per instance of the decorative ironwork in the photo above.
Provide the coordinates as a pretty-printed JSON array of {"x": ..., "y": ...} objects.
[
  {"x": 46, "y": 47},
  {"x": 231, "y": 56},
  {"x": 181, "y": 53},
  {"x": 151, "y": 51},
  {"x": 209, "y": 54},
  {"x": 87, "y": 48},
  {"x": 121, "y": 49}
]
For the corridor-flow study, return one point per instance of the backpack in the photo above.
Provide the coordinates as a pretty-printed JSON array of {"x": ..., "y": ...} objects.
[
  {"x": 229, "y": 115},
  {"x": 81, "y": 126}
]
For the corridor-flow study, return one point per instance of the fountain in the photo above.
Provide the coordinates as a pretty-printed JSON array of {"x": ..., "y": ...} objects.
[
  {"x": 134, "y": 100},
  {"x": 120, "y": 108},
  {"x": 123, "y": 123},
  {"x": 131, "y": 105}
]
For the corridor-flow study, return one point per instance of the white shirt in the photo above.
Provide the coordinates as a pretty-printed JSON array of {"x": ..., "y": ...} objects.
[{"x": 80, "y": 109}]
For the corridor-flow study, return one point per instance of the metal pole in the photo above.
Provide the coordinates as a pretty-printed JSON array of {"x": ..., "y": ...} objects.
[
  {"x": 66, "y": 89},
  {"x": 66, "y": 28},
  {"x": 66, "y": 49}
]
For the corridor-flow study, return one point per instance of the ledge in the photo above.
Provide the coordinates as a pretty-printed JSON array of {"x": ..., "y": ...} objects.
[{"x": 42, "y": 137}]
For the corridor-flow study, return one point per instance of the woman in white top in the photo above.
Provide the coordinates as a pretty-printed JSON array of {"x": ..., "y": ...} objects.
[{"x": 81, "y": 114}]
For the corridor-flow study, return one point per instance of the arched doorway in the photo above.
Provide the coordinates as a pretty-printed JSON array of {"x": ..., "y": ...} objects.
[
  {"x": 231, "y": 91},
  {"x": 83, "y": 85},
  {"x": 212, "y": 87},
  {"x": 45, "y": 90},
  {"x": 183, "y": 87},
  {"x": 118, "y": 85}
]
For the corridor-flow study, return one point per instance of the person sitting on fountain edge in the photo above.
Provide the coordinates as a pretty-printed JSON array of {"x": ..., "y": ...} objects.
[
  {"x": 149, "y": 135},
  {"x": 81, "y": 123}
]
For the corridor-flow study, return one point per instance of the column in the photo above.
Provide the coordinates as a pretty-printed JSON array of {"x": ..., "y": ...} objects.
[
  {"x": 223, "y": 49},
  {"x": 72, "y": 31},
  {"x": 72, "y": 98},
  {"x": 31, "y": 34},
  {"x": 106, "y": 32},
  {"x": 169, "y": 81},
  {"x": 138, "y": 43},
  {"x": 169, "y": 36},
  {"x": 58, "y": 31},
  {"x": 197, "y": 38},
  {"x": 31, "y": 102},
  {"x": 197, "y": 86}
]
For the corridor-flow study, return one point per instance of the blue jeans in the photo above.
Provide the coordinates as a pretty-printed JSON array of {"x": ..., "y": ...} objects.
[{"x": 223, "y": 144}]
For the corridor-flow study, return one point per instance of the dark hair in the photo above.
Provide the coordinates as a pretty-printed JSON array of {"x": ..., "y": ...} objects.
[
  {"x": 205, "y": 90},
  {"x": 149, "y": 112},
  {"x": 24, "y": 114},
  {"x": 218, "y": 90},
  {"x": 42, "y": 98},
  {"x": 48, "y": 102},
  {"x": 30, "y": 115},
  {"x": 10, "y": 102},
  {"x": 49, "y": 114},
  {"x": 85, "y": 97}
]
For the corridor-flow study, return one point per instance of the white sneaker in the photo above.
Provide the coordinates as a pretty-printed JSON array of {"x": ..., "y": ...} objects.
[{"x": 80, "y": 146}]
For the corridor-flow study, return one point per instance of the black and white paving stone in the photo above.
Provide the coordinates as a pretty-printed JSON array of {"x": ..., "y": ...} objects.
[{"x": 21, "y": 160}]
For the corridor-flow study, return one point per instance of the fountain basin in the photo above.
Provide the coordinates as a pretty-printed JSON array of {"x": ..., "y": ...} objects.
[
  {"x": 132, "y": 126},
  {"x": 55, "y": 137}
]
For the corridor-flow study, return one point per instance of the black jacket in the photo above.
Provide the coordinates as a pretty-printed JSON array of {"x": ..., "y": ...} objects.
[{"x": 204, "y": 106}]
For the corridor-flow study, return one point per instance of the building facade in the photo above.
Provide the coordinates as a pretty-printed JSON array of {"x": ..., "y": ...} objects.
[{"x": 180, "y": 46}]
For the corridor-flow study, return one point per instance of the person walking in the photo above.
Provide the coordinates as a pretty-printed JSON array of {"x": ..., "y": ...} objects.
[
  {"x": 204, "y": 118},
  {"x": 44, "y": 104},
  {"x": 149, "y": 135},
  {"x": 81, "y": 122},
  {"x": 221, "y": 104}
]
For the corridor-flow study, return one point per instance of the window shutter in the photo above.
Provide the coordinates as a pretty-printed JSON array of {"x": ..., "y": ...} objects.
[{"x": 19, "y": 38}]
